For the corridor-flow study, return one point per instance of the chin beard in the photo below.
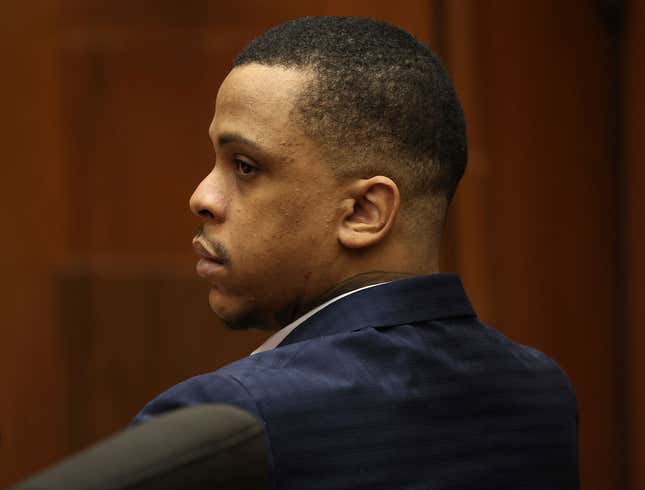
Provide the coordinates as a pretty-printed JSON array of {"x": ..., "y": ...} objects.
[
  {"x": 247, "y": 323},
  {"x": 249, "y": 315},
  {"x": 250, "y": 320}
]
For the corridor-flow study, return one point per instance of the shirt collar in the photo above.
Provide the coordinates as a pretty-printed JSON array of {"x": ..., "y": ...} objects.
[{"x": 275, "y": 340}]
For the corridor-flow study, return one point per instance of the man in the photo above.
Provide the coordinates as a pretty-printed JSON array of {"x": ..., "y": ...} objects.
[{"x": 339, "y": 143}]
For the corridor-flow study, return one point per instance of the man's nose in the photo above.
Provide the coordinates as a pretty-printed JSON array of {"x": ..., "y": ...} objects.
[{"x": 208, "y": 200}]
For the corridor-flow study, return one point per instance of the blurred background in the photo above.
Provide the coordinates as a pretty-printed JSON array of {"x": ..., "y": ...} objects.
[{"x": 105, "y": 109}]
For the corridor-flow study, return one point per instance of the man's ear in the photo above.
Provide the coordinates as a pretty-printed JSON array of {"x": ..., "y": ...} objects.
[{"x": 370, "y": 212}]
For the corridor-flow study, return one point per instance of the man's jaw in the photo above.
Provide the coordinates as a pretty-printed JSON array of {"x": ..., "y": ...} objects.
[{"x": 240, "y": 313}]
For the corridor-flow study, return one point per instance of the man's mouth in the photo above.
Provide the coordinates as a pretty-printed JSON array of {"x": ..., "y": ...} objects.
[
  {"x": 208, "y": 269},
  {"x": 211, "y": 263},
  {"x": 203, "y": 250}
]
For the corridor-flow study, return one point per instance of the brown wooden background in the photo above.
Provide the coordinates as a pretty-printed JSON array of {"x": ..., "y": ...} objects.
[{"x": 105, "y": 108}]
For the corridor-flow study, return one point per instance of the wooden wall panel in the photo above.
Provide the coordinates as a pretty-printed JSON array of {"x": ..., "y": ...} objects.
[
  {"x": 533, "y": 231},
  {"x": 635, "y": 238},
  {"x": 467, "y": 247},
  {"x": 554, "y": 273},
  {"x": 32, "y": 204}
]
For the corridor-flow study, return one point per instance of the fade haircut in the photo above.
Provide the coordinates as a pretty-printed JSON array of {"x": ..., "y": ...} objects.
[{"x": 379, "y": 102}]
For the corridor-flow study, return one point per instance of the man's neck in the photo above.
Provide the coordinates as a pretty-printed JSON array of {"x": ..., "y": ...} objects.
[{"x": 355, "y": 282}]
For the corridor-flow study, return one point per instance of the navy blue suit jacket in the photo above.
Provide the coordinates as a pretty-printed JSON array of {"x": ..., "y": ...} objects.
[{"x": 401, "y": 387}]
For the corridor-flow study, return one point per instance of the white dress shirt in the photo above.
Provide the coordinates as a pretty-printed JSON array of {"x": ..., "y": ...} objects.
[{"x": 275, "y": 339}]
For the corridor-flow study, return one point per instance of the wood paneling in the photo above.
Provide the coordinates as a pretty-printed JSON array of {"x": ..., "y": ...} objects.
[
  {"x": 635, "y": 239},
  {"x": 32, "y": 204},
  {"x": 467, "y": 245},
  {"x": 533, "y": 231}
]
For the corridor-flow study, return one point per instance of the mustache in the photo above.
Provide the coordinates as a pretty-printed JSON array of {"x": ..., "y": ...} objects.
[{"x": 218, "y": 247}]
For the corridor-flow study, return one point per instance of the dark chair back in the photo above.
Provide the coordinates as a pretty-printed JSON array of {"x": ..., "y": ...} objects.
[{"x": 200, "y": 447}]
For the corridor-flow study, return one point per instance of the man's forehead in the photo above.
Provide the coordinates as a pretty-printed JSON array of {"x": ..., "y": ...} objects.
[
  {"x": 257, "y": 99},
  {"x": 253, "y": 84}
]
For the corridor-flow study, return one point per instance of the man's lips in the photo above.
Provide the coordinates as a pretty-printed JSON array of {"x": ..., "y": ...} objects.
[
  {"x": 208, "y": 269},
  {"x": 209, "y": 264},
  {"x": 202, "y": 250}
]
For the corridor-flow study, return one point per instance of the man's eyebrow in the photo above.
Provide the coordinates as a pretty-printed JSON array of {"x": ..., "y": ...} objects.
[
  {"x": 228, "y": 138},
  {"x": 224, "y": 139}
]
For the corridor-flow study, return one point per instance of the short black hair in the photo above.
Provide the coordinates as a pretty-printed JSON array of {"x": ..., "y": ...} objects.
[{"x": 380, "y": 102}]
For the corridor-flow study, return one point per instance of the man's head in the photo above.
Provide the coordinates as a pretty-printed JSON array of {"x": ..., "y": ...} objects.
[{"x": 339, "y": 143}]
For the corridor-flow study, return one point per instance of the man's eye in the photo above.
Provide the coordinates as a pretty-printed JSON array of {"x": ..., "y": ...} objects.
[{"x": 244, "y": 168}]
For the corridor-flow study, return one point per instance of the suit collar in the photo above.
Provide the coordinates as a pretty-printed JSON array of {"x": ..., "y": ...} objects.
[{"x": 416, "y": 299}]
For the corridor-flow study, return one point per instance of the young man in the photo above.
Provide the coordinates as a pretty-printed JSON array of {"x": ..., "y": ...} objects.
[{"x": 339, "y": 143}]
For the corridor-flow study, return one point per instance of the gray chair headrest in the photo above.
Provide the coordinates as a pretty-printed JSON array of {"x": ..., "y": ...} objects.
[{"x": 200, "y": 447}]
